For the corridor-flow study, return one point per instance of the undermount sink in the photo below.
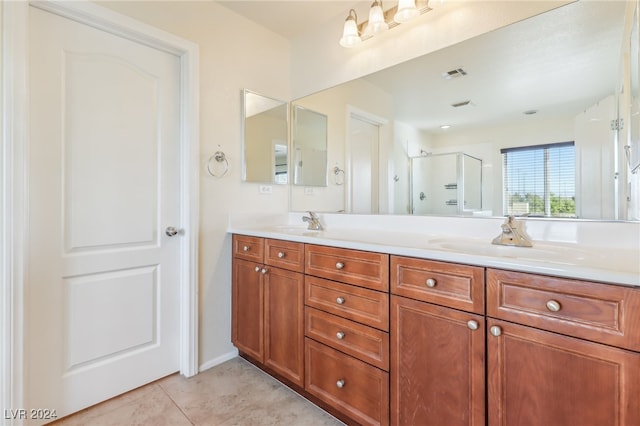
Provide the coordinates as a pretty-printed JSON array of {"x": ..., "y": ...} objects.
[
  {"x": 546, "y": 252},
  {"x": 295, "y": 230},
  {"x": 488, "y": 248}
]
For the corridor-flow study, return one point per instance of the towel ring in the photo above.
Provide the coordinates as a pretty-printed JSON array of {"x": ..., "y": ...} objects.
[{"x": 221, "y": 165}]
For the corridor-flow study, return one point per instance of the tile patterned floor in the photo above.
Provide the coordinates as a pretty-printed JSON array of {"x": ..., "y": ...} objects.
[{"x": 233, "y": 393}]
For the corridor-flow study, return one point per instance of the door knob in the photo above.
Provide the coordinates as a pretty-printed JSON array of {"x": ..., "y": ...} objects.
[{"x": 172, "y": 231}]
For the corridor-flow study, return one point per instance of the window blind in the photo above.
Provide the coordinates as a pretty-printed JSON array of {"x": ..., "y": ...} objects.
[{"x": 539, "y": 180}]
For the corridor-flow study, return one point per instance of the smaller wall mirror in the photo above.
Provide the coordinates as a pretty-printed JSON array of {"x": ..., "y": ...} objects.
[
  {"x": 265, "y": 139},
  {"x": 309, "y": 147}
]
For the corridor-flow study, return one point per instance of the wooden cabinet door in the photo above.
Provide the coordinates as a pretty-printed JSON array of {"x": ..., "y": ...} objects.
[
  {"x": 284, "y": 323},
  {"x": 248, "y": 308},
  {"x": 437, "y": 365},
  {"x": 539, "y": 378}
]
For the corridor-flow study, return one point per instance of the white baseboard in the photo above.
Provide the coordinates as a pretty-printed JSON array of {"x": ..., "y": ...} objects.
[{"x": 217, "y": 361}]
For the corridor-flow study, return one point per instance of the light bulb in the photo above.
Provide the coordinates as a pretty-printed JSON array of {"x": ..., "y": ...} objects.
[
  {"x": 350, "y": 36},
  {"x": 376, "y": 19},
  {"x": 406, "y": 11}
]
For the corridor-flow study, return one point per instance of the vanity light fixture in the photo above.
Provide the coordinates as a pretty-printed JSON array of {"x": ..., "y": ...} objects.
[
  {"x": 380, "y": 20},
  {"x": 407, "y": 10},
  {"x": 445, "y": 126}
]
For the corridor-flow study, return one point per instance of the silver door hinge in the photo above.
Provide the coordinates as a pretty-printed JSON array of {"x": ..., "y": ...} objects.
[{"x": 617, "y": 124}]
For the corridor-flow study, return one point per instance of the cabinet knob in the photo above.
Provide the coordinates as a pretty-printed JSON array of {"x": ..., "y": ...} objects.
[
  {"x": 340, "y": 383},
  {"x": 472, "y": 324},
  {"x": 339, "y": 265},
  {"x": 553, "y": 305},
  {"x": 495, "y": 330},
  {"x": 340, "y": 335},
  {"x": 340, "y": 300},
  {"x": 245, "y": 248},
  {"x": 280, "y": 254},
  {"x": 257, "y": 269},
  {"x": 263, "y": 271},
  {"x": 431, "y": 282}
]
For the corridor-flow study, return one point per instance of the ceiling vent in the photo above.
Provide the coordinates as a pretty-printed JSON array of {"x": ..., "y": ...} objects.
[
  {"x": 458, "y": 72},
  {"x": 461, "y": 104}
]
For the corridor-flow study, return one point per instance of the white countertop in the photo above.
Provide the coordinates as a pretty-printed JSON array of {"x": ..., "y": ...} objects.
[{"x": 606, "y": 262}]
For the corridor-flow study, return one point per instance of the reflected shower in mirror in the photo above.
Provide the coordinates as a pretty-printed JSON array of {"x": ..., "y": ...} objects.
[
  {"x": 552, "y": 78},
  {"x": 446, "y": 184},
  {"x": 265, "y": 135},
  {"x": 309, "y": 147}
]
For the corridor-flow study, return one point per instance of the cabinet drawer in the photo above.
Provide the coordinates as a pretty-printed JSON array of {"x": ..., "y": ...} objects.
[
  {"x": 284, "y": 254},
  {"x": 248, "y": 248},
  {"x": 446, "y": 284},
  {"x": 351, "y": 386},
  {"x": 605, "y": 313},
  {"x": 361, "y": 268},
  {"x": 365, "y": 343},
  {"x": 365, "y": 306}
]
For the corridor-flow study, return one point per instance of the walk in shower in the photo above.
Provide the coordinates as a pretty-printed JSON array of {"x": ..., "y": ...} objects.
[{"x": 446, "y": 184}]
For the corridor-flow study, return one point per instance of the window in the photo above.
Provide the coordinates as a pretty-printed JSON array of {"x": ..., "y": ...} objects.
[{"x": 539, "y": 180}]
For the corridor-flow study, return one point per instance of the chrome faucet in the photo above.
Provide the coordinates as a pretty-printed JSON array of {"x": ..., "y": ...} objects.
[
  {"x": 314, "y": 221},
  {"x": 512, "y": 234}
]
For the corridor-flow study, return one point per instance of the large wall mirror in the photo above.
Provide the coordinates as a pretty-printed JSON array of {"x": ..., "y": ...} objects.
[
  {"x": 265, "y": 139},
  {"x": 551, "y": 79}
]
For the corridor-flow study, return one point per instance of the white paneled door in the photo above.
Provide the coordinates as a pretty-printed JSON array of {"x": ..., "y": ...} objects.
[
  {"x": 102, "y": 286},
  {"x": 364, "y": 137}
]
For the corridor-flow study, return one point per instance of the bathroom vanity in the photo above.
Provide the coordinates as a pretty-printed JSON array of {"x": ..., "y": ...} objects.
[{"x": 384, "y": 334}]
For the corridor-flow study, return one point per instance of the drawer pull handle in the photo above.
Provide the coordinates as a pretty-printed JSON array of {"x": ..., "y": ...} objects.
[
  {"x": 340, "y": 300},
  {"x": 280, "y": 254},
  {"x": 495, "y": 330},
  {"x": 257, "y": 269},
  {"x": 245, "y": 248},
  {"x": 472, "y": 324},
  {"x": 340, "y": 383},
  {"x": 339, "y": 265},
  {"x": 263, "y": 271},
  {"x": 340, "y": 335},
  {"x": 553, "y": 305},
  {"x": 431, "y": 282}
]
